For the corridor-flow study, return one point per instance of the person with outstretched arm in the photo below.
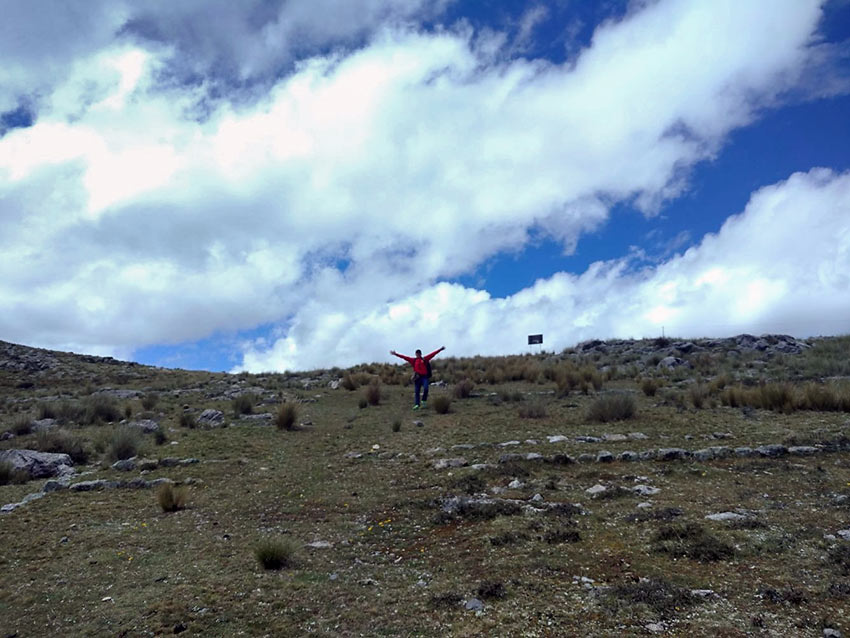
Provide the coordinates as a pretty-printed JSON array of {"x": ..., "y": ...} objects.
[{"x": 421, "y": 376}]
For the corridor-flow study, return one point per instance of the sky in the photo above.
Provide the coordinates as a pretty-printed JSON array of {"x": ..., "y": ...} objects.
[{"x": 284, "y": 185}]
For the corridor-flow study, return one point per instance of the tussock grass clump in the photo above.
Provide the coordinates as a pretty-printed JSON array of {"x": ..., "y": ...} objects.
[
  {"x": 442, "y": 404},
  {"x": 372, "y": 394},
  {"x": 149, "y": 401},
  {"x": 612, "y": 407},
  {"x": 287, "y": 417},
  {"x": 21, "y": 426},
  {"x": 274, "y": 553},
  {"x": 533, "y": 410},
  {"x": 692, "y": 541},
  {"x": 662, "y": 597},
  {"x": 698, "y": 394},
  {"x": 649, "y": 386},
  {"x": 9, "y": 475},
  {"x": 396, "y": 425},
  {"x": 463, "y": 389},
  {"x": 124, "y": 443},
  {"x": 59, "y": 441},
  {"x": 172, "y": 498},
  {"x": 243, "y": 404},
  {"x": 100, "y": 408},
  {"x": 187, "y": 420},
  {"x": 349, "y": 383}
]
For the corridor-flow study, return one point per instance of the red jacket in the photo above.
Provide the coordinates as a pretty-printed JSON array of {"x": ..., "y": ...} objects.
[{"x": 418, "y": 364}]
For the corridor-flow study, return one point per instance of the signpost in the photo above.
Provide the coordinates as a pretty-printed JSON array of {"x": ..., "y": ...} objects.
[{"x": 536, "y": 340}]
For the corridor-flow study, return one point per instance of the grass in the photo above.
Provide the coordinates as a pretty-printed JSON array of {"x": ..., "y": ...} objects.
[
  {"x": 287, "y": 417},
  {"x": 389, "y": 560},
  {"x": 274, "y": 553},
  {"x": 171, "y": 498},
  {"x": 125, "y": 443},
  {"x": 442, "y": 404},
  {"x": 612, "y": 407}
]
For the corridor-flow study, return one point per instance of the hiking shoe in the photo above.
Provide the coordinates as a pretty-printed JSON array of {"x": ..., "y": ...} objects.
[{"x": 415, "y": 407}]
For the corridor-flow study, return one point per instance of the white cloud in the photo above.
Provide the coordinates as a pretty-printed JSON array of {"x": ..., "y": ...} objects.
[{"x": 126, "y": 221}]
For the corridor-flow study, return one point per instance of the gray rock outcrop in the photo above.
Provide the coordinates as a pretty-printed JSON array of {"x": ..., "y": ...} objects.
[{"x": 38, "y": 464}]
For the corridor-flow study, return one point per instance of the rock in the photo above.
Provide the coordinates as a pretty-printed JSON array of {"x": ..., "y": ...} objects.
[
  {"x": 37, "y": 464},
  {"x": 829, "y": 632},
  {"x": 537, "y": 498},
  {"x": 721, "y": 435},
  {"x": 672, "y": 454},
  {"x": 654, "y": 627},
  {"x": 803, "y": 450},
  {"x": 586, "y": 458},
  {"x": 596, "y": 489},
  {"x": 726, "y": 516},
  {"x": 744, "y": 451},
  {"x": 442, "y": 464},
  {"x": 473, "y": 604},
  {"x": 320, "y": 545},
  {"x": 644, "y": 505},
  {"x": 772, "y": 451},
  {"x": 124, "y": 465},
  {"x": 533, "y": 456},
  {"x": 637, "y": 436},
  {"x": 557, "y": 438},
  {"x": 211, "y": 418},
  {"x": 147, "y": 426},
  {"x": 463, "y": 446},
  {"x": 261, "y": 418},
  {"x": 604, "y": 457},
  {"x": 670, "y": 363},
  {"x": 844, "y": 534},
  {"x": 334, "y": 385},
  {"x": 510, "y": 458},
  {"x": 645, "y": 490},
  {"x": 627, "y": 456},
  {"x": 57, "y": 485},
  {"x": 88, "y": 486},
  {"x": 647, "y": 455},
  {"x": 508, "y": 443},
  {"x": 44, "y": 425},
  {"x": 147, "y": 465},
  {"x": 419, "y": 424},
  {"x": 703, "y": 593},
  {"x": 516, "y": 484},
  {"x": 588, "y": 439},
  {"x": 562, "y": 459},
  {"x": 614, "y": 437},
  {"x": 705, "y": 454},
  {"x": 169, "y": 461}
]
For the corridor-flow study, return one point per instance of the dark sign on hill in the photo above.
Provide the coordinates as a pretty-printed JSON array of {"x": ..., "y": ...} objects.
[{"x": 533, "y": 339}]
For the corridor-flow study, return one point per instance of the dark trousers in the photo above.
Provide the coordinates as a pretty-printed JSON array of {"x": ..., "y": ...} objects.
[{"x": 421, "y": 383}]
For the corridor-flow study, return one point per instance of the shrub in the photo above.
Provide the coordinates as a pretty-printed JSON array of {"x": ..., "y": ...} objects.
[
  {"x": 662, "y": 597},
  {"x": 693, "y": 541},
  {"x": 442, "y": 404},
  {"x": 533, "y": 410},
  {"x": 612, "y": 407},
  {"x": 363, "y": 403},
  {"x": 286, "y": 417},
  {"x": 243, "y": 404},
  {"x": 124, "y": 444},
  {"x": 698, "y": 394},
  {"x": 171, "y": 498},
  {"x": 463, "y": 389},
  {"x": 373, "y": 394},
  {"x": 47, "y": 411},
  {"x": 649, "y": 386},
  {"x": 61, "y": 441},
  {"x": 159, "y": 436},
  {"x": 349, "y": 383},
  {"x": 149, "y": 401},
  {"x": 187, "y": 420},
  {"x": 100, "y": 408},
  {"x": 21, "y": 426},
  {"x": 397, "y": 424},
  {"x": 275, "y": 553}
]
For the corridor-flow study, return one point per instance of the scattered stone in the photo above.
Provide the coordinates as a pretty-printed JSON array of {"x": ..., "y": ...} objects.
[
  {"x": 772, "y": 451},
  {"x": 645, "y": 490},
  {"x": 353, "y": 455},
  {"x": 147, "y": 465},
  {"x": 537, "y": 498},
  {"x": 829, "y": 632},
  {"x": 655, "y": 627},
  {"x": 531, "y": 442},
  {"x": 637, "y": 436},
  {"x": 671, "y": 363},
  {"x": 627, "y": 456},
  {"x": 803, "y": 450},
  {"x": 588, "y": 439},
  {"x": 604, "y": 457},
  {"x": 442, "y": 464},
  {"x": 596, "y": 489},
  {"x": 516, "y": 484},
  {"x": 721, "y": 435},
  {"x": 614, "y": 437},
  {"x": 320, "y": 545},
  {"x": 147, "y": 426},
  {"x": 44, "y": 425},
  {"x": 557, "y": 438},
  {"x": 88, "y": 486},
  {"x": 703, "y": 593},
  {"x": 586, "y": 458},
  {"x": 844, "y": 534},
  {"x": 744, "y": 451},
  {"x": 419, "y": 424},
  {"x": 533, "y": 456},
  {"x": 726, "y": 516},
  {"x": 473, "y": 604},
  {"x": 124, "y": 465},
  {"x": 56, "y": 485},
  {"x": 510, "y": 458},
  {"x": 672, "y": 454},
  {"x": 463, "y": 446},
  {"x": 644, "y": 505},
  {"x": 169, "y": 461},
  {"x": 508, "y": 443},
  {"x": 38, "y": 464},
  {"x": 211, "y": 418}
]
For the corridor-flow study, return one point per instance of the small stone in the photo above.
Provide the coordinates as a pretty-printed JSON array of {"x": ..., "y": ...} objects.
[
  {"x": 586, "y": 458},
  {"x": 726, "y": 516},
  {"x": 637, "y": 436},
  {"x": 645, "y": 490},
  {"x": 320, "y": 545},
  {"x": 772, "y": 451},
  {"x": 829, "y": 632},
  {"x": 419, "y": 424},
  {"x": 654, "y": 627},
  {"x": 744, "y": 451},
  {"x": 614, "y": 437},
  {"x": 533, "y": 456},
  {"x": 557, "y": 438},
  {"x": 537, "y": 498},
  {"x": 442, "y": 464},
  {"x": 644, "y": 505},
  {"x": 803, "y": 450},
  {"x": 627, "y": 456},
  {"x": 844, "y": 534},
  {"x": 604, "y": 457},
  {"x": 516, "y": 484},
  {"x": 596, "y": 489},
  {"x": 508, "y": 443},
  {"x": 473, "y": 604}
]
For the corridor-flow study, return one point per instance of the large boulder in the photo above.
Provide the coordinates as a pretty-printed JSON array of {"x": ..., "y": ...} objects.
[
  {"x": 211, "y": 418},
  {"x": 38, "y": 464}
]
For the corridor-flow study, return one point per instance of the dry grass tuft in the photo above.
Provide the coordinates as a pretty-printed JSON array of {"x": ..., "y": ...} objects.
[{"x": 171, "y": 498}]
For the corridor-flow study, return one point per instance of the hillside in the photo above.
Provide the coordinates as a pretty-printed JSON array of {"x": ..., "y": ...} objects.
[{"x": 619, "y": 488}]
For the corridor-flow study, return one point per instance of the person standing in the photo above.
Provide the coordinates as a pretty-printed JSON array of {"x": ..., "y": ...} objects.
[{"x": 421, "y": 372}]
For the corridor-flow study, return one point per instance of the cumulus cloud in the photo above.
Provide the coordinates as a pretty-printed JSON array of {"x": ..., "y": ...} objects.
[{"x": 335, "y": 201}]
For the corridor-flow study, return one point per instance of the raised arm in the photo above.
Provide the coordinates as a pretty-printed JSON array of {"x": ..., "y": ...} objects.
[
  {"x": 428, "y": 357},
  {"x": 401, "y": 356}
]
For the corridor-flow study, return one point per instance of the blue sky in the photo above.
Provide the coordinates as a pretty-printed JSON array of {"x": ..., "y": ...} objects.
[{"x": 274, "y": 185}]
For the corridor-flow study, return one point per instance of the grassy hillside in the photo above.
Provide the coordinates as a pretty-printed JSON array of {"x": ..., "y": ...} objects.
[{"x": 547, "y": 495}]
